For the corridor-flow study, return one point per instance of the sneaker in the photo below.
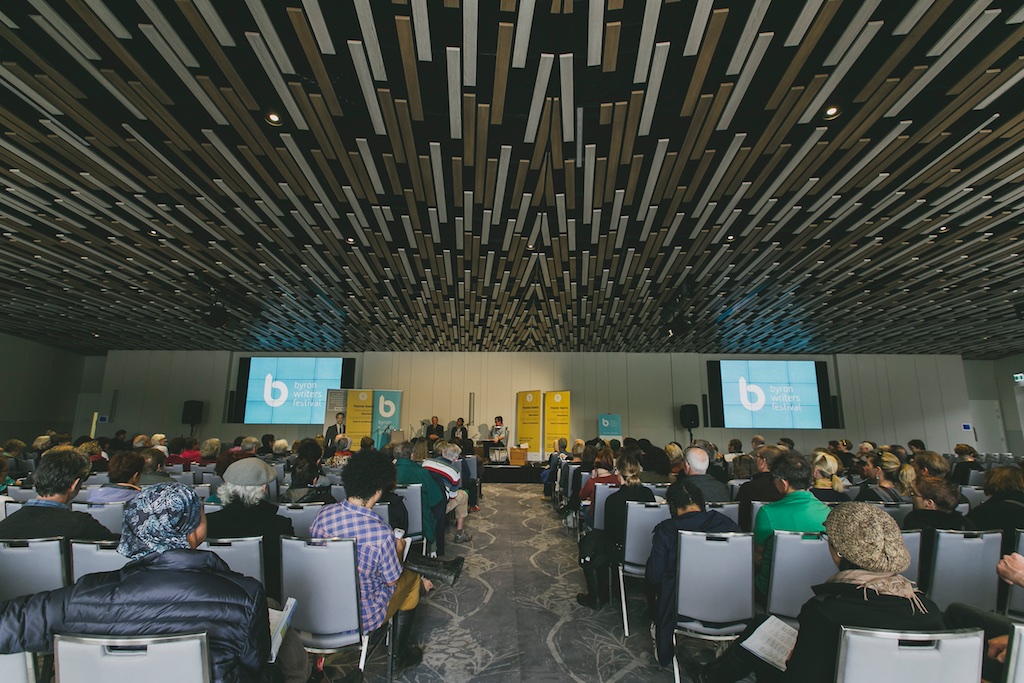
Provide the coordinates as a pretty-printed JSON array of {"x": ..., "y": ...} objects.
[
  {"x": 475, "y": 508},
  {"x": 462, "y": 537}
]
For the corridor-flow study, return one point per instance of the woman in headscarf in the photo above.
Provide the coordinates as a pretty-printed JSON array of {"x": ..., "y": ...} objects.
[
  {"x": 868, "y": 591},
  {"x": 167, "y": 587}
]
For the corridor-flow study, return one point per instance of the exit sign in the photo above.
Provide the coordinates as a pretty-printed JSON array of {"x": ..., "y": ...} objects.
[{"x": 1018, "y": 377}]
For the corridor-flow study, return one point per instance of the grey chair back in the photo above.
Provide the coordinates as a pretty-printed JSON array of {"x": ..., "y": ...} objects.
[
  {"x": 730, "y": 559},
  {"x": 955, "y": 575},
  {"x": 210, "y": 508},
  {"x": 383, "y": 511},
  {"x": 730, "y": 510},
  {"x": 412, "y": 496},
  {"x": 472, "y": 467},
  {"x": 567, "y": 479},
  {"x": 110, "y": 515},
  {"x": 243, "y": 555},
  {"x": 338, "y": 492},
  {"x": 897, "y": 511},
  {"x": 21, "y": 495},
  {"x": 871, "y": 655},
  {"x": 186, "y": 478},
  {"x": 10, "y": 507},
  {"x": 89, "y": 557},
  {"x": 212, "y": 479},
  {"x": 659, "y": 490},
  {"x": 1014, "y": 667},
  {"x": 734, "y": 486},
  {"x": 601, "y": 493},
  {"x": 175, "y": 469},
  {"x": 641, "y": 518},
  {"x": 31, "y": 566},
  {"x": 301, "y": 514},
  {"x": 1015, "y": 604},
  {"x": 755, "y": 508},
  {"x": 974, "y": 494},
  {"x": 202, "y": 490},
  {"x": 154, "y": 659},
  {"x": 326, "y": 620},
  {"x": 18, "y": 668},
  {"x": 976, "y": 477},
  {"x": 799, "y": 561},
  {"x": 912, "y": 539}
]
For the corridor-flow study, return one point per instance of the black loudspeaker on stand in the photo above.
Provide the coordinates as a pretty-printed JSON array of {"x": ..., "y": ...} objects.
[
  {"x": 192, "y": 414},
  {"x": 689, "y": 417}
]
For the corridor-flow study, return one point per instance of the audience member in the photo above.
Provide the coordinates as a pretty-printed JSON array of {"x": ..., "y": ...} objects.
[
  {"x": 209, "y": 451},
  {"x": 968, "y": 463},
  {"x": 760, "y": 487},
  {"x": 675, "y": 458},
  {"x": 15, "y": 455},
  {"x": 448, "y": 473},
  {"x": 935, "y": 500},
  {"x": 1004, "y": 508},
  {"x": 657, "y": 468},
  {"x": 266, "y": 445},
  {"x": 153, "y": 471},
  {"x": 828, "y": 487},
  {"x": 124, "y": 473},
  {"x": 888, "y": 480},
  {"x": 168, "y": 587},
  {"x": 842, "y": 452},
  {"x": 408, "y": 471},
  {"x": 342, "y": 452},
  {"x": 716, "y": 463},
  {"x": 686, "y": 505},
  {"x": 798, "y": 510},
  {"x": 743, "y": 467},
  {"x": 915, "y": 446},
  {"x": 386, "y": 589},
  {"x": 696, "y": 465},
  {"x": 603, "y": 473},
  {"x": 601, "y": 548},
  {"x": 308, "y": 486},
  {"x": 247, "y": 513},
  {"x": 868, "y": 591},
  {"x": 58, "y": 479}
]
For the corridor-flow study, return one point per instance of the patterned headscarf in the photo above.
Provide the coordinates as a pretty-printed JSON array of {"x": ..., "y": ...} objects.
[{"x": 159, "y": 519}]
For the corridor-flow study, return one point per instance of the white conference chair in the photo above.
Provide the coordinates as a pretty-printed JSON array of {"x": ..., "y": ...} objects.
[
  {"x": 90, "y": 557},
  {"x": 18, "y": 668},
  {"x": 110, "y": 515},
  {"x": 301, "y": 514},
  {"x": 871, "y": 655},
  {"x": 601, "y": 493},
  {"x": 21, "y": 495},
  {"x": 178, "y": 658},
  {"x": 799, "y": 561},
  {"x": 326, "y": 621},
  {"x": 175, "y": 469},
  {"x": 955, "y": 575},
  {"x": 897, "y": 511},
  {"x": 31, "y": 566},
  {"x": 641, "y": 518},
  {"x": 730, "y": 510},
  {"x": 974, "y": 494},
  {"x": 412, "y": 496},
  {"x": 912, "y": 539},
  {"x": 707, "y": 614},
  {"x": 243, "y": 555}
]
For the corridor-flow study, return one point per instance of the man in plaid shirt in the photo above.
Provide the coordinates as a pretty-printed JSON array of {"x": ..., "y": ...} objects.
[{"x": 385, "y": 589}]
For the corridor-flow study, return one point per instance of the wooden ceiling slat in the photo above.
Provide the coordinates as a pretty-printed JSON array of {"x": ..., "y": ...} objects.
[
  {"x": 405, "y": 125},
  {"x": 803, "y": 53},
  {"x": 704, "y": 57},
  {"x": 636, "y": 100},
  {"x": 205, "y": 36},
  {"x": 615, "y": 147},
  {"x": 791, "y": 118},
  {"x": 403, "y": 26},
  {"x": 391, "y": 127},
  {"x": 610, "y": 58},
  {"x": 501, "y": 65}
]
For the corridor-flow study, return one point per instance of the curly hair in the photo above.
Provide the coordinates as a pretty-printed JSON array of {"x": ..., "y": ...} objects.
[
  {"x": 366, "y": 473},
  {"x": 124, "y": 466}
]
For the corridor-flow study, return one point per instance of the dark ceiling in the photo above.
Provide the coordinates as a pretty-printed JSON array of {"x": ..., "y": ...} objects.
[{"x": 546, "y": 175}]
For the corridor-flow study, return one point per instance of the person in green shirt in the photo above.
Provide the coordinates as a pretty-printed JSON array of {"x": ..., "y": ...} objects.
[
  {"x": 799, "y": 510},
  {"x": 411, "y": 472}
]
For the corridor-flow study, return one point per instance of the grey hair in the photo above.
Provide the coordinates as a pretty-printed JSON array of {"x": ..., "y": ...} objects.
[
  {"x": 246, "y": 495},
  {"x": 210, "y": 448},
  {"x": 280, "y": 446},
  {"x": 451, "y": 451},
  {"x": 698, "y": 460},
  {"x": 250, "y": 444}
]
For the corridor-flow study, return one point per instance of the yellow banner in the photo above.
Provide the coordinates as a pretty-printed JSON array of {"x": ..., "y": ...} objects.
[
  {"x": 556, "y": 416},
  {"x": 528, "y": 421},
  {"x": 359, "y": 421}
]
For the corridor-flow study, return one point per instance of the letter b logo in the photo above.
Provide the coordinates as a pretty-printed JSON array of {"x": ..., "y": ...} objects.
[
  {"x": 385, "y": 408},
  {"x": 269, "y": 387},
  {"x": 751, "y": 390}
]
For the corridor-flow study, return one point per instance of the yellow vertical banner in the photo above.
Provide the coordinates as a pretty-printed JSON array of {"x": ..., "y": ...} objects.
[
  {"x": 528, "y": 422},
  {"x": 359, "y": 421},
  {"x": 556, "y": 416}
]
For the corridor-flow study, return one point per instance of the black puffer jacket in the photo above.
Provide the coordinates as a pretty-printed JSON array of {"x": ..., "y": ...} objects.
[{"x": 172, "y": 592}]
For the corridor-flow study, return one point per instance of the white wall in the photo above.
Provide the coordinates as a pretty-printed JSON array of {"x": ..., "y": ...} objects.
[
  {"x": 40, "y": 388},
  {"x": 886, "y": 398}
]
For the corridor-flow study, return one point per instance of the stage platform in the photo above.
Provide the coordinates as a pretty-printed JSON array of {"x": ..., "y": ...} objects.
[{"x": 512, "y": 474}]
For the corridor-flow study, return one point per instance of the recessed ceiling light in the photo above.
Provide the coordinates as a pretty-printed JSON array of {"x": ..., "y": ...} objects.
[
  {"x": 831, "y": 112},
  {"x": 350, "y": 240},
  {"x": 273, "y": 118},
  {"x": 943, "y": 229}
]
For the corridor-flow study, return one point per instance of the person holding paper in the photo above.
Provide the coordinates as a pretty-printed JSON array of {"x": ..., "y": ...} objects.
[{"x": 869, "y": 591}]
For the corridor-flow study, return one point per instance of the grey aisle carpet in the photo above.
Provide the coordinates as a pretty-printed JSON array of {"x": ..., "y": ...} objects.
[{"x": 513, "y": 615}]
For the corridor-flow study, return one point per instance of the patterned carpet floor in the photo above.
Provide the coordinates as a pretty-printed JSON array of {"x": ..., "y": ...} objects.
[{"x": 513, "y": 614}]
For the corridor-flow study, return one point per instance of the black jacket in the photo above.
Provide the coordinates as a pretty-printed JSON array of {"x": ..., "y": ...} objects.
[
  {"x": 172, "y": 592},
  {"x": 842, "y": 604},
  {"x": 1005, "y": 511},
  {"x": 238, "y": 521},
  {"x": 39, "y": 521}
]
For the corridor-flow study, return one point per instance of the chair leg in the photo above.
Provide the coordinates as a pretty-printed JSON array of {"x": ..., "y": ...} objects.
[
  {"x": 365, "y": 645},
  {"x": 390, "y": 650},
  {"x": 622, "y": 600}
]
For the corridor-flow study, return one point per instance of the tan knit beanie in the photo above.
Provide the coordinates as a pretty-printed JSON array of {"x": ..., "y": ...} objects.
[{"x": 868, "y": 537}]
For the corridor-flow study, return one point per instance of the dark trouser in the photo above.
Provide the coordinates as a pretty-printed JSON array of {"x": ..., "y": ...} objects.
[
  {"x": 736, "y": 662},
  {"x": 441, "y": 522},
  {"x": 959, "y": 615}
]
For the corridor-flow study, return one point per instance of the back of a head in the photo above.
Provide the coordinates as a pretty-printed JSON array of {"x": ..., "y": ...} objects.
[
  {"x": 915, "y": 444},
  {"x": 154, "y": 459},
  {"x": 706, "y": 446},
  {"x": 13, "y": 447},
  {"x": 743, "y": 466},
  {"x": 280, "y": 447},
  {"x": 1004, "y": 478},
  {"x": 606, "y": 459},
  {"x": 793, "y": 469},
  {"x": 125, "y": 465},
  {"x": 735, "y": 446},
  {"x": 757, "y": 440},
  {"x": 366, "y": 473},
  {"x": 309, "y": 450},
  {"x": 159, "y": 519},
  {"x": 304, "y": 472},
  {"x": 210, "y": 449},
  {"x": 245, "y": 481},
  {"x": 343, "y": 443},
  {"x": 628, "y": 466},
  {"x": 697, "y": 459},
  {"x": 965, "y": 450},
  {"x": 41, "y": 443},
  {"x": 267, "y": 440},
  {"x": 656, "y": 460},
  {"x": 939, "y": 490},
  {"x": 562, "y": 443},
  {"x": 768, "y": 453},
  {"x": 402, "y": 451},
  {"x": 787, "y": 442},
  {"x": 420, "y": 450},
  {"x": 933, "y": 462},
  {"x": 60, "y": 468},
  {"x": 250, "y": 444},
  {"x": 577, "y": 449},
  {"x": 682, "y": 494},
  {"x": 828, "y": 467},
  {"x": 366, "y": 443},
  {"x": 589, "y": 455},
  {"x": 674, "y": 453},
  {"x": 449, "y": 451},
  {"x": 867, "y": 538}
]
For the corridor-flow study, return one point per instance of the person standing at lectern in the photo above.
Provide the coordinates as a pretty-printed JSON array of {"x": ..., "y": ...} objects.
[
  {"x": 332, "y": 434},
  {"x": 499, "y": 437},
  {"x": 434, "y": 432}
]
